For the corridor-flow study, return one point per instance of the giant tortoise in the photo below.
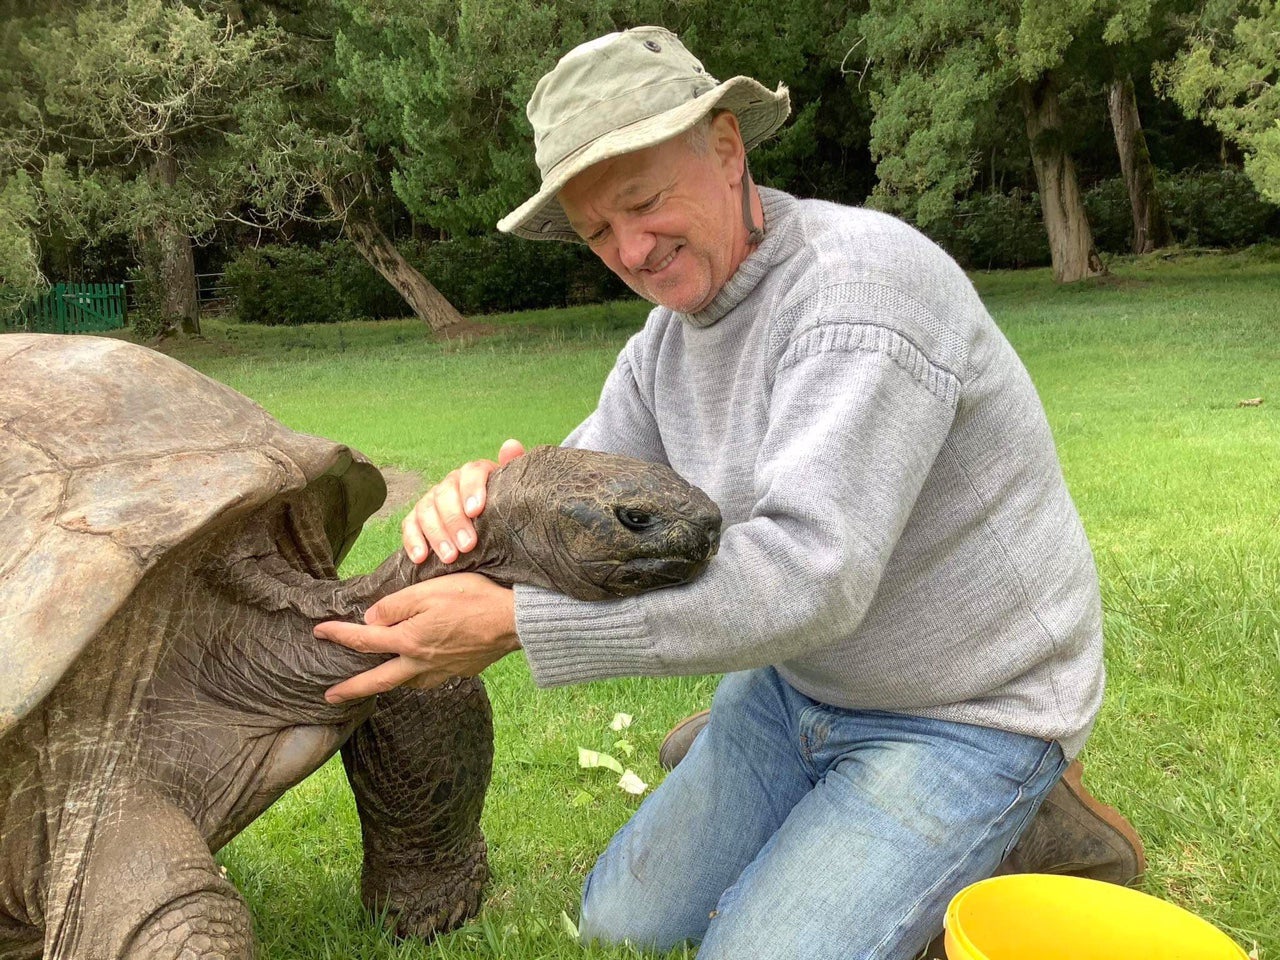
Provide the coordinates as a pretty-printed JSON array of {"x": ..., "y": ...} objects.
[{"x": 166, "y": 547}]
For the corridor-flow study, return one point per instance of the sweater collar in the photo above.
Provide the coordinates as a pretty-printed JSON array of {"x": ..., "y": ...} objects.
[{"x": 777, "y": 209}]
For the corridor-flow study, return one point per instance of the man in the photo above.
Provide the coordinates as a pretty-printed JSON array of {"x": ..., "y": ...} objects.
[{"x": 904, "y": 601}]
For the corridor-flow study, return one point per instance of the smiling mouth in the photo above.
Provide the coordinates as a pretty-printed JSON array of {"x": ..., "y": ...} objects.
[{"x": 665, "y": 261}]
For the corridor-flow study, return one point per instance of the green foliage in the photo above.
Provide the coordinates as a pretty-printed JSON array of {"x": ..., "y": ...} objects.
[
  {"x": 1110, "y": 213},
  {"x": 290, "y": 285},
  {"x": 116, "y": 110},
  {"x": 308, "y": 131},
  {"x": 20, "y": 276},
  {"x": 945, "y": 81},
  {"x": 822, "y": 151},
  {"x": 273, "y": 284},
  {"x": 936, "y": 82},
  {"x": 1215, "y": 208},
  {"x": 108, "y": 89},
  {"x": 1229, "y": 75},
  {"x": 995, "y": 230},
  {"x": 449, "y": 82},
  {"x": 925, "y": 131},
  {"x": 146, "y": 311},
  {"x": 497, "y": 273},
  {"x": 1211, "y": 208},
  {"x": 1219, "y": 208}
]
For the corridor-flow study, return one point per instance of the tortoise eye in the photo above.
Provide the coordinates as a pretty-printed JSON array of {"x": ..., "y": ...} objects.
[{"x": 636, "y": 520}]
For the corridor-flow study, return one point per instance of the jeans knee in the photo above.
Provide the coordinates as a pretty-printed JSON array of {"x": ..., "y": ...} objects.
[{"x": 615, "y": 916}]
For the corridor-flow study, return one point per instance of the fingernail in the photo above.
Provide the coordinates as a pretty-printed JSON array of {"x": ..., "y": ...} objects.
[
  {"x": 331, "y": 698},
  {"x": 447, "y": 553},
  {"x": 416, "y": 554},
  {"x": 464, "y": 540},
  {"x": 472, "y": 503}
]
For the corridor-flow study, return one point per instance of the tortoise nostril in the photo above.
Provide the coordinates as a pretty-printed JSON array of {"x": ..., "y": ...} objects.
[{"x": 711, "y": 540}]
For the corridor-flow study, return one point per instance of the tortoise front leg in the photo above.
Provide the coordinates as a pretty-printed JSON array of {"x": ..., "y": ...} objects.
[
  {"x": 419, "y": 767},
  {"x": 19, "y": 942},
  {"x": 146, "y": 888}
]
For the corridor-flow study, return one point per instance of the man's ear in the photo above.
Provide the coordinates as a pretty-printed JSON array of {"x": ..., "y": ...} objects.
[{"x": 726, "y": 141}]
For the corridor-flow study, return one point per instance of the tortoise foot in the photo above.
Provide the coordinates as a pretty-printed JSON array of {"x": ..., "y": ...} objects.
[{"x": 426, "y": 898}]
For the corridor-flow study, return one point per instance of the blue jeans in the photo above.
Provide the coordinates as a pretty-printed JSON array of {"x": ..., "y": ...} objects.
[{"x": 800, "y": 830}]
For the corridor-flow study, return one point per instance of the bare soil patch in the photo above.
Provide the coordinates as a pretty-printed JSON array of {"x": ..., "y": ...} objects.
[{"x": 403, "y": 488}]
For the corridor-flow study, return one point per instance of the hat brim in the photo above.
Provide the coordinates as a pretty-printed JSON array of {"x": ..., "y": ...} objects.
[{"x": 760, "y": 113}]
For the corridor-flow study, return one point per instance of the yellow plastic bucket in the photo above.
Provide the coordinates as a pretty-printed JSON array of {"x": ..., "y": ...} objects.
[{"x": 1033, "y": 916}]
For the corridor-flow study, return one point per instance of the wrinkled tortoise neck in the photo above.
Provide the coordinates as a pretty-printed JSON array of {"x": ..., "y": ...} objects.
[{"x": 490, "y": 556}]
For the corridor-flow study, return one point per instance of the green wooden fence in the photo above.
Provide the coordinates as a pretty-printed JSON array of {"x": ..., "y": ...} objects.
[{"x": 73, "y": 308}]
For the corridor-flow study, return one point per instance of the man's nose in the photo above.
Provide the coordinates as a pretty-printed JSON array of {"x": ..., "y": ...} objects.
[{"x": 634, "y": 246}]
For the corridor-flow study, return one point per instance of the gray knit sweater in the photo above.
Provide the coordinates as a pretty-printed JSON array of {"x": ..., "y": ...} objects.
[{"x": 898, "y": 535}]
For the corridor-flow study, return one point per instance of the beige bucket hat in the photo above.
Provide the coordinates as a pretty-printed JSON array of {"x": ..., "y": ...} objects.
[{"x": 620, "y": 93}]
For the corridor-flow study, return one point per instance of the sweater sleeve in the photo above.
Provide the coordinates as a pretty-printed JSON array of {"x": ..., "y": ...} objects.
[{"x": 857, "y": 416}]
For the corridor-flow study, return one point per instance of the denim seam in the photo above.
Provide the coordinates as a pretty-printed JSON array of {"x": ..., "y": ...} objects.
[
  {"x": 1031, "y": 811},
  {"x": 915, "y": 907},
  {"x": 806, "y": 749}
]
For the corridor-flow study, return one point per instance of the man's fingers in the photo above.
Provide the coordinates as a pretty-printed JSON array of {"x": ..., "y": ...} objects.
[
  {"x": 378, "y": 680},
  {"x": 509, "y": 451},
  {"x": 427, "y": 516},
  {"x": 360, "y": 637},
  {"x": 415, "y": 544},
  {"x": 473, "y": 480},
  {"x": 401, "y": 605},
  {"x": 441, "y": 520},
  {"x": 458, "y": 534}
]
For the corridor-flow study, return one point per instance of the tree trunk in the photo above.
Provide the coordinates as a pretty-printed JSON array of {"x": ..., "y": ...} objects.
[
  {"x": 1150, "y": 224},
  {"x": 1070, "y": 239},
  {"x": 173, "y": 266},
  {"x": 361, "y": 226}
]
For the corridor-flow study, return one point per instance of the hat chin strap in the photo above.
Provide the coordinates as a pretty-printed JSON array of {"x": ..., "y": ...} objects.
[{"x": 754, "y": 233}]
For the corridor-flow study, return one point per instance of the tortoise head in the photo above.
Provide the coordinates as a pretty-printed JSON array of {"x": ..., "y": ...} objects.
[{"x": 595, "y": 525}]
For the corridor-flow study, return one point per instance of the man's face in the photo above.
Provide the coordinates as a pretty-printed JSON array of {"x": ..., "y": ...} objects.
[{"x": 667, "y": 219}]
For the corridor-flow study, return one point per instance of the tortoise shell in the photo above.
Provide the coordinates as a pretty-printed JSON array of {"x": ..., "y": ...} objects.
[{"x": 111, "y": 455}]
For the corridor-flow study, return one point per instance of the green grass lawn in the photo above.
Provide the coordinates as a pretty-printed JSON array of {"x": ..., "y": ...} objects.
[{"x": 1177, "y": 484}]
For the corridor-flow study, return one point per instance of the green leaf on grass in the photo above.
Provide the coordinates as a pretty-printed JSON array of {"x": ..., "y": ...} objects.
[
  {"x": 589, "y": 759},
  {"x": 569, "y": 926}
]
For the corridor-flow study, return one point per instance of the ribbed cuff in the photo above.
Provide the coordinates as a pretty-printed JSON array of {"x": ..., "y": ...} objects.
[{"x": 569, "y": 641}]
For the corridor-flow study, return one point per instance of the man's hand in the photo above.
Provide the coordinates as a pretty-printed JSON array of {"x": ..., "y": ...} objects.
[
  {"x": 451, "y": 626},
  {"x": 441, "y": 521}
]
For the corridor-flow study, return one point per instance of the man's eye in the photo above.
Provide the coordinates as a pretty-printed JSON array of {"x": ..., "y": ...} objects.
[
  {"x": 646, "y": 205},
  {"x": 598, "y": 237}
]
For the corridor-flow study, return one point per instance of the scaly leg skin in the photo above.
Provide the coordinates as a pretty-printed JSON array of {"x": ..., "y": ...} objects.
[
  {"x": 148, "y": 889},
  {"x": 419, "y": 767},
  {"x": 19, "y": 942}
]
